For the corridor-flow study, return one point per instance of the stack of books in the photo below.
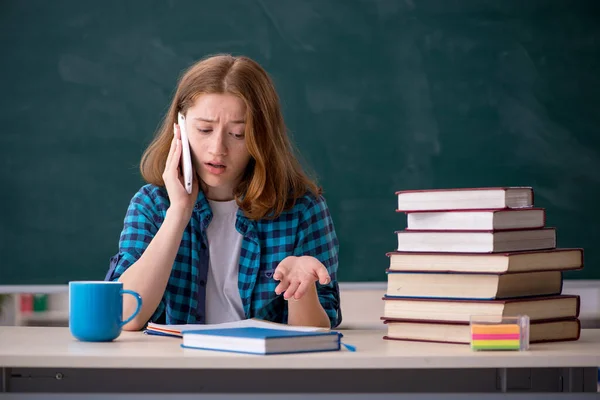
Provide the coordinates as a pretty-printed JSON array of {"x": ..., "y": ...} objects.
[{"x": 479, "y": 251}]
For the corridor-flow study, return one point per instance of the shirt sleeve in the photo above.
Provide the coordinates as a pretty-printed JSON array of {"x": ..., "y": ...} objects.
[
  {"x": 140, "y": 225},
  {"x": 317, "y": 238}
]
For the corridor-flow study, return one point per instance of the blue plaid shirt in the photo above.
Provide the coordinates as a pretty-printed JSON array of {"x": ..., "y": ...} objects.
[{"x": 306, "y": 229}]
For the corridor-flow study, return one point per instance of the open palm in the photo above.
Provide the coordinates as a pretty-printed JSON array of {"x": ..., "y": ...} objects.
[{"x": 296, "y": 274}]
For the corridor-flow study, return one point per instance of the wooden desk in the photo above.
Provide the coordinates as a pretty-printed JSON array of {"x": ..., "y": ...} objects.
[{"x": 51, "y": 360}]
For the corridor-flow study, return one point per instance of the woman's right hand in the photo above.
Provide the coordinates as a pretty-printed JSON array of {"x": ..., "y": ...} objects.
[{"x": 181, "y": 202}]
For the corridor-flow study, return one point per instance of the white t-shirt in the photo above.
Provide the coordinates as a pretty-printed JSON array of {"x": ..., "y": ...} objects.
[{"x": 223, "y": 301}]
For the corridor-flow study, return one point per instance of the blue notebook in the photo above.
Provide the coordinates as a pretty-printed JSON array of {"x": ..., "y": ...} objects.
[{"x": 255, "y": 340}]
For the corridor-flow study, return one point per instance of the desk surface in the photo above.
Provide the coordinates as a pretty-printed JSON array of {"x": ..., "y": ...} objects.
[{"x": 55, "y": 347}]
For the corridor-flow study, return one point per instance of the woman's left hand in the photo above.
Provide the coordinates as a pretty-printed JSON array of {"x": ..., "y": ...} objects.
[{"x": 297, "y": 274}]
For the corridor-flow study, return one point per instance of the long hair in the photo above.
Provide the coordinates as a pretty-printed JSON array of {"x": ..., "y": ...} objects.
[{"x": 274, "y": 178}]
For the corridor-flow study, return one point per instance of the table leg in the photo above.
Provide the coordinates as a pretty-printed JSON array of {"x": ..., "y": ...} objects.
[
  {"x": 503, "y": 380},
  {"x": 3, "y": 380}
]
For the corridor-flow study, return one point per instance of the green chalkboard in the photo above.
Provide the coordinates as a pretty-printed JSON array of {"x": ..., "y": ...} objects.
[{"x": 378, "y": 95}]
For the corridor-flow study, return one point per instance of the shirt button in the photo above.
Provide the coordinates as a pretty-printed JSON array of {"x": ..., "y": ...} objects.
[
  {"x": 202, "y": 283},
  {"x": 200, "y": 317},
  {"x": 203, "y": 246},
  {"x": 196, "y": 206}
]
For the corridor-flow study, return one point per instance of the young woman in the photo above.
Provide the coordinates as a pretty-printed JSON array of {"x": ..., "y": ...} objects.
[{"x": 254, "y": 239}]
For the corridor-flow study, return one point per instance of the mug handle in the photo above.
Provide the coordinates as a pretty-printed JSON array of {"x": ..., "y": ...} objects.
[{"x": 139, "y": 304}]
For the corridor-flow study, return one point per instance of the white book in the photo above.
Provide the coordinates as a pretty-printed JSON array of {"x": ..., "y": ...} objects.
[
  {"x": 519, "y": 218},
  {"x": 465, "y": 198},
  {"x": 536, "y": 260},
  {"x": 255, "y": 340},
  {"x": 476, "y": 241}
]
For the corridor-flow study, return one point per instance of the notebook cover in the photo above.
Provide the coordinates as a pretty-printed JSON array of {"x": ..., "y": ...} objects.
[
  {"x": 160, "y": 333},
  {"x": 258, "y": 333}
]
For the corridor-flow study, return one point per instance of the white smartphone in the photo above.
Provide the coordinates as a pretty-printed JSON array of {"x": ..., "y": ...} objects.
[{"x": 186, "y": 159}]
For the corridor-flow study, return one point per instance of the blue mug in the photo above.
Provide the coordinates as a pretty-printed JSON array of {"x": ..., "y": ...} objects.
[{"x": 96, "y": 310}]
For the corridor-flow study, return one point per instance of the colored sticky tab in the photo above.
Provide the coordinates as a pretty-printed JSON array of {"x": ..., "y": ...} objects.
[
  {"x": 499, "y": 333},
  {"x": 495, "y": 336},
  {"x": 495, "y": 329}
]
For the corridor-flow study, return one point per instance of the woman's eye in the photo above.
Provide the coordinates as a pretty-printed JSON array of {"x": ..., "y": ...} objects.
[
  {"x": 237, "y": 135},
  {"x": 205, "y": 130}
]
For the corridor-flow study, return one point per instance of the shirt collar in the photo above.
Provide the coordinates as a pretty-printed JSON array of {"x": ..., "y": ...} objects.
[
  {"x": 244, "y": 225},
  {"x": 201, "y": 202}
]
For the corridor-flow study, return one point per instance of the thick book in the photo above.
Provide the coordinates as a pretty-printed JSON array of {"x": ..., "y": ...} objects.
[
  {"x": 445, "y": 332},
  {"x": 255, "y": 340},
  {"x": 477, "y": 241},
  {"x": 473, "y": 285},
  {"x": 457, "y": 310},
  {"x": 487, "y": 220},
  {"x": 178, "y": 330},
  {"x": 465, "y": 198},
  {"x": 536, "y": 260}
]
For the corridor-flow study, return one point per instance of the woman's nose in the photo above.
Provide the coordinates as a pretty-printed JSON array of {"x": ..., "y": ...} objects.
[{"x": 218, "y": 147}]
